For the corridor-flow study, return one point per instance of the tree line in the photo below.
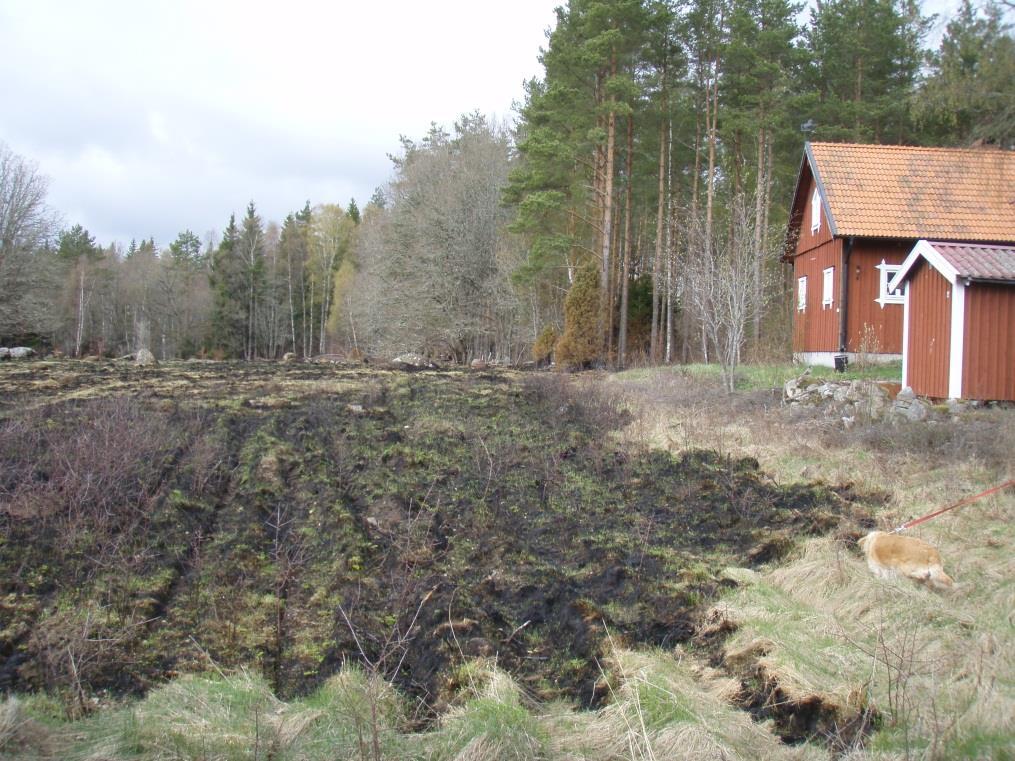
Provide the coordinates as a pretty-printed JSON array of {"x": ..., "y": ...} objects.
[
  {"x": 661, "y": 147},
  {"x": 634, "y": 212}
]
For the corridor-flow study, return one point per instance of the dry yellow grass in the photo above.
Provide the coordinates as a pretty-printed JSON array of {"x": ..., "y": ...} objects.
[{"x": 939, "y": 667}]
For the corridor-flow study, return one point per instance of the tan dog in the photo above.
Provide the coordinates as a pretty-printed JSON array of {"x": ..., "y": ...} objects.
[{"x": 890, "y": 555}]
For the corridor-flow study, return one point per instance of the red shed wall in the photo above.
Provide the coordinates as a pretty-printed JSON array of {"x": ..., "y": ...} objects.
[
  {"x": 930, "y": 318},
  {"x": 988, "y": 367},
  {"x": 864, "y": 289}
]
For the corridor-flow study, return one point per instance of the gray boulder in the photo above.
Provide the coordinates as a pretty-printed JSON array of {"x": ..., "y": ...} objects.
[
  {"x": 20, "y": 352},
  {"x": 413, "y": 361},
  {"x": 906, "y": 395},
  {"x": 145, "y": 358}
]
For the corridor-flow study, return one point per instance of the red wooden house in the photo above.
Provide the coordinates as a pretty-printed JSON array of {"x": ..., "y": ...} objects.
[
  {"x": 959, "y": 320},
  {"x": 859, "y": 210}
]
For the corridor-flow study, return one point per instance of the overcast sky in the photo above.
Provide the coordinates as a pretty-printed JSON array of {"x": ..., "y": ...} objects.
[{"x": 153, "y": 117}]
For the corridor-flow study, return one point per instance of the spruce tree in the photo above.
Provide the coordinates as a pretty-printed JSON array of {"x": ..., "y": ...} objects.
[
  {"x": 228, "y": 318},
  {"x": 251, "y": 249}
]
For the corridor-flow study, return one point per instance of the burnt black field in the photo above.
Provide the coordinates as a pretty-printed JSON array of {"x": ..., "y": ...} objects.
[{"x": 290, "y": 518}]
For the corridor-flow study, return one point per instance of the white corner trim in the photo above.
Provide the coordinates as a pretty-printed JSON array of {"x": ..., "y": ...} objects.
[
  {"x": 905, "y": 336},
  {"x": 927, "y": 251},
  {"x": 956, "y": 348}
]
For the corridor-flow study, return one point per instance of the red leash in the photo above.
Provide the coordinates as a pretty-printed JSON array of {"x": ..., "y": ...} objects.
[{"x": 966, "y": 501}]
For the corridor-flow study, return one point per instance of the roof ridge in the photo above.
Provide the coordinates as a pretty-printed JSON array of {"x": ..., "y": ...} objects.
[
  {"x": 921, "y": 148},
  {"x": 969, "y": 243}
]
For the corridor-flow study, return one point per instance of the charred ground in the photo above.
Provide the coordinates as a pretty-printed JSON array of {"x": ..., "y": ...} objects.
[{"x": 292, "y": 518}]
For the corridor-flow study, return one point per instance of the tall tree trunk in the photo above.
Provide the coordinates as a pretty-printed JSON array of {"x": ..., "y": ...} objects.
[
  {"x": 670, "y": 224},
  {"x": 695, "y": 194},
  {"x": 292, "y": 308},
  {"x": 759, "y": 212},
  {"x": 712, "y": 117},
  {"x": 250, "y": 307},
  {"x": 611, "y": 137},
  {"x": 80, "y": 332},
  {"x": 310, "y": 343},
  {"x": 304, "y": 322},
  {"x": 657, "y": 263},
  {"x": 325, "y": 301},
  {"x": 625, "y": 269}
]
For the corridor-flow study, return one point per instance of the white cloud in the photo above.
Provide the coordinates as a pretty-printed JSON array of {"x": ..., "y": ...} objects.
[{"x": 152, "y": 117}]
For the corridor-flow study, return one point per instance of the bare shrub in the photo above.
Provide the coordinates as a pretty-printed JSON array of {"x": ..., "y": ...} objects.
[
  {"x": 81, "y": 489},
  {"x": 569, "y": 403},
  {"x": 868, "y": 348},
  {"x": 100, "y": 463},
  {"x": 726, "y": 275}
]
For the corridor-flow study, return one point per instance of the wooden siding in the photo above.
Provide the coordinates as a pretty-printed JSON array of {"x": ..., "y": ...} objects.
[
  {"x": 807, "y": 239},
  {"x": 817, "y": 327},
  {"x": 930, "y": 327},
  {"x": 864, "y": 289},
  {"x": 988, "y": 367}
]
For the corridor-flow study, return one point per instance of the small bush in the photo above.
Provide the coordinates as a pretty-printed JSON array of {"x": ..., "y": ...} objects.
[
  {"x": 542, "y": 349},
  {"x": 581, "y": 343}
]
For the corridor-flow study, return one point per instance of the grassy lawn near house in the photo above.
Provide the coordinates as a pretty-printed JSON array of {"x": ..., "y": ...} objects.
[{"x": 754, "y": 377}]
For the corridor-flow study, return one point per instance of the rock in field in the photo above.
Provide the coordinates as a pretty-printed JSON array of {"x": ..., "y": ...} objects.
[
  {"x": 145, "y": 358},
  {"x": 16, "y": 352},
  {"x": 413, "y": 361}
]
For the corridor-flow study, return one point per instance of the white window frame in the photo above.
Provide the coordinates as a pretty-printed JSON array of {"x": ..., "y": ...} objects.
[
  {"x": 801, "y": 294},
  {"x": 827, "y": 287},
  {"x": 887, "y": 272},
  {"x": 815, "y": 211}
]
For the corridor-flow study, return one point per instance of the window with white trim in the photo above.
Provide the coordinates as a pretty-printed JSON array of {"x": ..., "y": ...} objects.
[
  {"x": 815, "y": 211},
  {"x": 827, "y": 284},
  {"x": 801, "y": 293},
  {"x": 888, "y": 271}
]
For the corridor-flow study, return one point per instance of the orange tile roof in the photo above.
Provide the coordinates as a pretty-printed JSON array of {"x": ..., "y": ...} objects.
[{"x": 894, "y": 191}]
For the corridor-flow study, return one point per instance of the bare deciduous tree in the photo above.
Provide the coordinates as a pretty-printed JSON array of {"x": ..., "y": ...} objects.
[
  {"x": 26, "y": 225},
  {"x": 434, "y": 264},
  {"x": 721, "y": 285}
]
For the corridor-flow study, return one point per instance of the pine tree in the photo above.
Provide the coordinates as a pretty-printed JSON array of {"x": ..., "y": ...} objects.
[
  {"x": 970, "y": 91},
  {"x": 865, "y": 58}
]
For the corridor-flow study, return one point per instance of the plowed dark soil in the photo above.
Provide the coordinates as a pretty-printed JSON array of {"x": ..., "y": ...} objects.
[{"x": 291, "y": 517}]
